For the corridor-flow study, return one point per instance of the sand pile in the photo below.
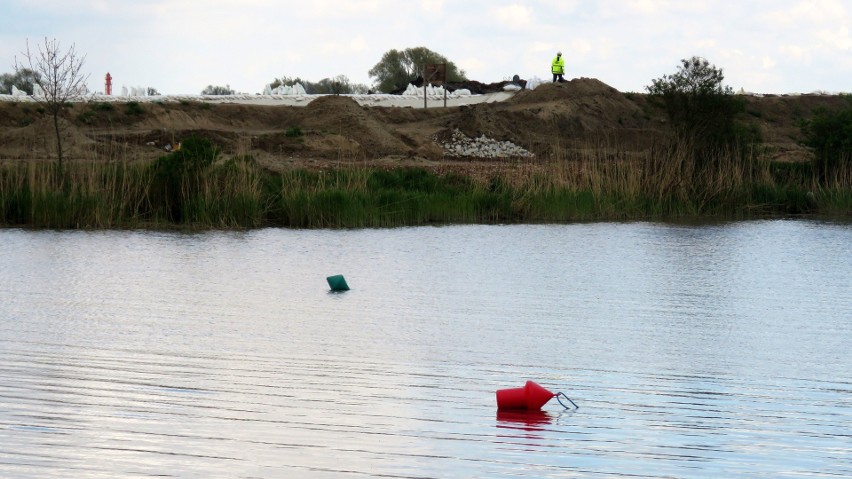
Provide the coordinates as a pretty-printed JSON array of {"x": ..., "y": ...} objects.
[{"x": 345, "y": 117}]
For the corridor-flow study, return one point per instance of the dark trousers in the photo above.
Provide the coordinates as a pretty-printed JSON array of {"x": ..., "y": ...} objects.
[{"x": 559, "y": 76}]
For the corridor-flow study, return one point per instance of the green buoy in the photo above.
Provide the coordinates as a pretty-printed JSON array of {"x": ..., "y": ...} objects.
[{"x": 337, "y": 283}]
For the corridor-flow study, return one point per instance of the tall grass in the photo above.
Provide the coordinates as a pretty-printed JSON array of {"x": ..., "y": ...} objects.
[
  {"x": 80, "y": 195},
  {"x": 601, "y": 182}
]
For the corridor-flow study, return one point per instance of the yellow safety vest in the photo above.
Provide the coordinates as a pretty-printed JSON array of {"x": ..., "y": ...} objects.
[{"x": 558, "y": 66}]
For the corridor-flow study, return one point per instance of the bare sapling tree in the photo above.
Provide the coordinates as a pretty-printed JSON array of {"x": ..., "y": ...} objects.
[{"x": 59, "y": 75}]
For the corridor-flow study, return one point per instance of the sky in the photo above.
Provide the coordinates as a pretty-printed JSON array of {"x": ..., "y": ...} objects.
[{"x": 181, "y": 46}]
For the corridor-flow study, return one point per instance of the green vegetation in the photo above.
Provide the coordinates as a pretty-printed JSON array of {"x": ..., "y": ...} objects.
[
  {"x": 101, "y": 106},
  {"x": 710, "y": 165},
  {"x": 23, "y": 79},
  {"x": 829, "y": 133},
  {"x": 338, "y": 85},
  {"x": 700, "y": 108},
  {"x": 217, "y": 90},
  {"x": 294, "y": 132},
  {"x": 398, "y": 68},
  {"x": 133, "y": 108},
  {"x": 195, "y": 187}
]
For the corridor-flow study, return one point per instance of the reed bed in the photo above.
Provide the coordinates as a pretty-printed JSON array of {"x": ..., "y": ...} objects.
[{"x": 601, "y": 182}]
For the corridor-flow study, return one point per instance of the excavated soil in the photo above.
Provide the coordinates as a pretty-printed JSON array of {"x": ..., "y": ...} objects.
[{"x": 554, "y": 118}]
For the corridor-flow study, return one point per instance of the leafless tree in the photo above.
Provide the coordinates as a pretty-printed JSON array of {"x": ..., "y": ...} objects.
[{"x": 59, "y": 75}]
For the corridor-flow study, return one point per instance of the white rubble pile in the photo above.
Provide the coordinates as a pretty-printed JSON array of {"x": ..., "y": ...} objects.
[
  {"x": 434, "y": 91},
  {"x": 533, "y": 82},
  {"x": 462, "y": 146},
  {"x": 295, "y": 89},
  {"x": 135, "y": 91}
]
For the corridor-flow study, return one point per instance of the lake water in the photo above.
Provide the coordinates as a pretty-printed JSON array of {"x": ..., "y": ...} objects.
[{"x": 693, "y": 351}]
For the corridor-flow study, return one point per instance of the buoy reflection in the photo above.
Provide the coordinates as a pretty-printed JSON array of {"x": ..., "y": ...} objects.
[{"x": 524, "y": 420}]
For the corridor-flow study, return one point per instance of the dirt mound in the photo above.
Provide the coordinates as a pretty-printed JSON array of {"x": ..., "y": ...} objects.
[
  {"x": 333, "y": 104},
  {"x": 548, "y": 121},
  {"x": 581, "y": 106},
  {"x": 38, "y": 140},
  {"x": 571, "y": 90},
  {"x": 478, "y": 120},
  {"x": 345, "y": 118}
]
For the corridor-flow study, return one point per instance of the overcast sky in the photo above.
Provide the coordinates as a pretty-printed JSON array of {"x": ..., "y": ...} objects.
[{"x": 181, "y": 46}]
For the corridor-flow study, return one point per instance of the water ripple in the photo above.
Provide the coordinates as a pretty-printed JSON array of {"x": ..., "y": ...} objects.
[{"x": 129, "y": 354}]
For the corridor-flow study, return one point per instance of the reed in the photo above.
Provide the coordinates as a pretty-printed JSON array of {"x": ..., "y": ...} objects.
[
  {"x": 601, "y": 182},
  {"x": 80, "y": 195}
]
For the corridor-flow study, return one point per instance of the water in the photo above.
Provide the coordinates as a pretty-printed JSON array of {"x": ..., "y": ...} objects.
[{"x": 693, "y": 351}]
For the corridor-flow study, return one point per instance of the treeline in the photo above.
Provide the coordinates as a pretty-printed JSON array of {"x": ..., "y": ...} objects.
[
  {"x": 394, "y": 71},
  {"x": 338, "y": 85}
]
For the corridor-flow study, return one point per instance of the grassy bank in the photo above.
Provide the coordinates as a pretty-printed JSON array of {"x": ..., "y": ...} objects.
[{"x": 664, "y": 182}]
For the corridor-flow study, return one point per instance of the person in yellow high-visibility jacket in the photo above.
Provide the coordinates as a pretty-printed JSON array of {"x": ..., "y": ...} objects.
[{"x": 557, "y": 67}]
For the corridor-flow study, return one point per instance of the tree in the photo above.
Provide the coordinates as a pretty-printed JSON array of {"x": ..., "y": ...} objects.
[
  {"x": 59, "y": 74},
  {"x": 698, "y": 105},
  {"x": 217, "y": 90},
  {"x": 22, "y": 80},
  {"x": 287, "y": 81},
  {"x": 398, "y": 68},
  {"x": 339, "y": 85}
]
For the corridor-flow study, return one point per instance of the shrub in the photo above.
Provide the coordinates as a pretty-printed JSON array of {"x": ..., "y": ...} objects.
[
  {"x": 134, "y": 109},
  {"x": 698, "y": 105},
  {"x": 101, "y": 106},
  {"x": 176, "y": 177},
  {"x": 703, "y": 114},
  {"x": 293, "y": 132},
  {"x": 829, "y": 133}
]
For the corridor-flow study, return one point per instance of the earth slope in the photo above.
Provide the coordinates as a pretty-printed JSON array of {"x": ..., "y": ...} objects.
[{"x": 576, "y": 115}]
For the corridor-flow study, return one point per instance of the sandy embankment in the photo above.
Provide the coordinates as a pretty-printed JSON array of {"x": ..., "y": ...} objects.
[{"x": 383, "y": 100}]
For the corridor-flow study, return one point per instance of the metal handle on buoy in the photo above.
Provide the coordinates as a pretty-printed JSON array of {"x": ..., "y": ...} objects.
[{"x": 561, "y": 395}]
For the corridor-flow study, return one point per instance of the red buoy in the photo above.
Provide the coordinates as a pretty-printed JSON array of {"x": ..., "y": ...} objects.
[{"x": 531, "y": 397}]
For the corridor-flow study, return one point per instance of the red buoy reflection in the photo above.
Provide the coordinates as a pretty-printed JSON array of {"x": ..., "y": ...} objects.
[{"x": 524, "y": 420}]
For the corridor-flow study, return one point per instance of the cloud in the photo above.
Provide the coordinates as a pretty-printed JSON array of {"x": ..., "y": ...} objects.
[
  {"x": 513, "y": 16},
  {"x": 795, "y": 52},
  {"x": 181, "y": 46},
  {"x": 338, "y": 9},
  {"x": 836, "y": 39},
  {"x": 432, "y": 5},
  {"x": 647, "y": 6}
]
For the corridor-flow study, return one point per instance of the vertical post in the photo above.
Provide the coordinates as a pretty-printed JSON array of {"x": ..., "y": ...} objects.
[
  {"x": 423, "y": 76},
  {"x": 436, "y": 73}
]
